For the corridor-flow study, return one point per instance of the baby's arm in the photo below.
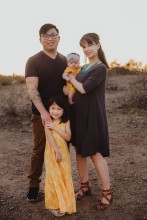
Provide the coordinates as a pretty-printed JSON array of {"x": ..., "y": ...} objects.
[
  {"x": 65, "y": 76},
  {"x": 53, "y": 144},
  {"x": 66, "y": 135}
]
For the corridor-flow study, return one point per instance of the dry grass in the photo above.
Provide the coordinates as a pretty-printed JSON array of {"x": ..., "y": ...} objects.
[
  {"x": 127, "y": 129},
  {"x": 10, "y": 80},
  {"x": 123, "y": 71}
]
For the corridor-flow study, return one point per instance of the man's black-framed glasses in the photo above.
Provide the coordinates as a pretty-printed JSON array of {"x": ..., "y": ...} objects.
[{"x": 48, "y": 36}]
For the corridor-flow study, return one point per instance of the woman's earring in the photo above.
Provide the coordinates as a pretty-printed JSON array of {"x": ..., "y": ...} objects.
[{"x": 85, "y": 60}]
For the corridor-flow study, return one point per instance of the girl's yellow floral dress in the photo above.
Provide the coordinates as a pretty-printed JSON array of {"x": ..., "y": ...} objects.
[{"x": 59, "y": 191}]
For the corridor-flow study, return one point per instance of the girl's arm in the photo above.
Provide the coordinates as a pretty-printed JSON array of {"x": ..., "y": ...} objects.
[
  {"x": 53, "y": 144},
  {"x": 66, "y": 135}
]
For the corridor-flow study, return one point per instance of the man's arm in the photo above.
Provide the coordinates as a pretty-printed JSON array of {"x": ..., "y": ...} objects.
[{"x": 32, "y": 87}]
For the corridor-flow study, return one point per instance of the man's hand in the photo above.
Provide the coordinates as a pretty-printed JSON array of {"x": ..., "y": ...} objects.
[
  {"x": 45, "y": 116},
  {"x": 71, "y": 77}
]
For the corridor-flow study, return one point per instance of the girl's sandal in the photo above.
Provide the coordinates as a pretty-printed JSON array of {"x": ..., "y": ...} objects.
[
  {"x": 106, "y": 193},
  {"x": 83, "y": 191},
  {"x": 56, "y": 212}
]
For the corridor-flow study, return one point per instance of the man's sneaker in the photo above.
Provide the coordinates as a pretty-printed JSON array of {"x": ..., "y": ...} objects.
[{"x": 32, "y": 195}]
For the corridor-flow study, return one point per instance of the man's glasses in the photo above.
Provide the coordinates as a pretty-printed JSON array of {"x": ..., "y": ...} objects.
[{"x": 52, "y": 36}]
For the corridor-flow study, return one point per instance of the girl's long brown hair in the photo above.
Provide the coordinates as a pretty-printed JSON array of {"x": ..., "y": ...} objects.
[{"x": 92, "y": 38}]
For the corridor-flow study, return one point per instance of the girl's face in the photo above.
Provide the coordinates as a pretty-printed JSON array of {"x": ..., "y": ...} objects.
[
  {"x": 90, "y": 50},
  {"x": 55, "y": 111}
]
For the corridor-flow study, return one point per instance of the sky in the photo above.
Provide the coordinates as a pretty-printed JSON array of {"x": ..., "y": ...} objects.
[{"x": 121, "y": 25}]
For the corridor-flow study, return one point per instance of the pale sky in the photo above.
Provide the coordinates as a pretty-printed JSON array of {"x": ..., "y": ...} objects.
[{"x": 121, "y": 25}]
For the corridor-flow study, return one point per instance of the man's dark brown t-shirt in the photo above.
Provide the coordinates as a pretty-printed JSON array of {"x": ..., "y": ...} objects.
[{"x": 49, "y": 71}]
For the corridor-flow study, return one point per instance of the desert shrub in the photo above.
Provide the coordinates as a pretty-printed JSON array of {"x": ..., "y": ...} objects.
[
  {"x": 9, "y": 80},
  {"x": 111, "y": 85},
  {"x": 11, "y": 110},
  {"x": 131, "y": 67},
  {"x": 122, "y": 71},
  {"x": 14, "y": 101},
  {"x": 137, "y": 95}
]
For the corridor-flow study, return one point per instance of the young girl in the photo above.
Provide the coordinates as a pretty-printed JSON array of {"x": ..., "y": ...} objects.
[{"x": 59, "y": 191}]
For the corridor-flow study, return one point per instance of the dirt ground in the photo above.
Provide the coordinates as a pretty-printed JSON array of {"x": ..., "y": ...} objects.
[{"x": 127, "y": 163}]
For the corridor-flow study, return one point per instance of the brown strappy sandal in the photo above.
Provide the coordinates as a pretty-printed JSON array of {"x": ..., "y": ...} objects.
[
  {"x": 83, "y": 191},
  {"x": 106, "y": 193}
]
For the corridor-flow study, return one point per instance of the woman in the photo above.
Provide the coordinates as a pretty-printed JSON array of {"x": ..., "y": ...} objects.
[{"x": 91, "y": 130}]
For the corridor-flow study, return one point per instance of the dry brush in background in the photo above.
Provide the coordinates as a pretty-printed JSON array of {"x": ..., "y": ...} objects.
[{"x": 15, "y": 105}]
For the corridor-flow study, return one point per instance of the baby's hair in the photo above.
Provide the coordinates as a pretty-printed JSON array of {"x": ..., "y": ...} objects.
[
  {"x": 73, "y": 55},
  {"x": 61, "y": 101}
]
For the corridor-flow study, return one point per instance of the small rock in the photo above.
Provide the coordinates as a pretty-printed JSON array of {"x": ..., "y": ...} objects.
[{"x": 11, "y": 208}]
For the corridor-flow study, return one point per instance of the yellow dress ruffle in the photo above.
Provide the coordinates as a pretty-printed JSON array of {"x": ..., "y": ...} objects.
[{"x": 59, "y": 190}]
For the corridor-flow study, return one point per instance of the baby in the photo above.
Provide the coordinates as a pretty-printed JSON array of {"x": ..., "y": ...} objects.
[{"x": 73, "y": 67}]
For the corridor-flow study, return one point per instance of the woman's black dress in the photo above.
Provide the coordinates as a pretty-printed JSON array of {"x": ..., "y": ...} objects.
[{"x": 89, "y": 121}]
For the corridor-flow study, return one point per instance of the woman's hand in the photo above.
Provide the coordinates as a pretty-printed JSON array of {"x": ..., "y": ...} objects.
[
  {"x": 71, "y": 77},
  {"x": 65, "y": 90},
  {"x": 58, "y": 156}
]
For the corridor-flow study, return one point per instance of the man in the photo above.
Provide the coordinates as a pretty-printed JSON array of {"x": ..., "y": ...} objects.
[{"x": 44, "y": 79}]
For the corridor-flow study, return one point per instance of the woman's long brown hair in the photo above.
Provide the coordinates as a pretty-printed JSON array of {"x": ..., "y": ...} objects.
[{"x": 92, "y": 38}]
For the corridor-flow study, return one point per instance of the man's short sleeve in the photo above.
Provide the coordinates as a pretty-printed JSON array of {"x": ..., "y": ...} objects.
[{"x": 31, "y": 68}]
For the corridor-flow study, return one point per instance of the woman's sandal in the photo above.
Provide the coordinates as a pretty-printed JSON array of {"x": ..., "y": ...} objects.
[
  {"x": 83, "y": 191},
  {"x": 56, "y": 212},
  {"x": 106, "y": 193}
]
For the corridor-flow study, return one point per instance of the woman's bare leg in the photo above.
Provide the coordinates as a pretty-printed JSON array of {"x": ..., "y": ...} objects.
[
  {"x": 101, "y": 166},
  {"x": 82, "y": 168},
  {"x": 83, "y": 174}
]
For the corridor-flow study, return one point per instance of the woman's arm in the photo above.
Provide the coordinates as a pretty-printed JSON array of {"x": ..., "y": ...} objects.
[
  {"x": 94, "y": 79},
  {"x": 66, "y": 135},
  {"x": 77, "y": 85},
  {"x": 53, "y": 144}
]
